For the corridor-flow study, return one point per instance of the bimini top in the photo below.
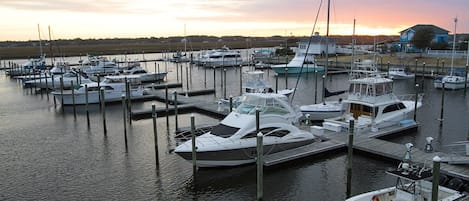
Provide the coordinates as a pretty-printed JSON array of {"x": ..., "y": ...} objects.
[
  {"x": 265, "y": 103},
  {"x": 371, "y": 90}
]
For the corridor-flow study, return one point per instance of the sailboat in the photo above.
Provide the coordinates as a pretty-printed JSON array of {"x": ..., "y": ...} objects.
[
  {"x": 326, "y": 109},
  {"x": 452, "y": 81}
]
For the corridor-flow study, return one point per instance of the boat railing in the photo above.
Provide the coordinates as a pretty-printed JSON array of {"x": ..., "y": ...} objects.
[{"x": 410, "y": 97}]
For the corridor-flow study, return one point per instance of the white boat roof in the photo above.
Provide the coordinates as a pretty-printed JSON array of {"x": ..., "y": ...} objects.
[{"x": 371, "y": 80}]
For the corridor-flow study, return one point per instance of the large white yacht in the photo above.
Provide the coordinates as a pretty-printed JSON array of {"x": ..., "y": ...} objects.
[
  {"x": 220, "y": 58},
  {"x": 233, "y": 141},
  {"x": 114, "y": 88}
]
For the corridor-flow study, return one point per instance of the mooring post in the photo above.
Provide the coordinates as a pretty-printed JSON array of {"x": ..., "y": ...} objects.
[
  {"x": 442, "y": 66},
  {"x": 182, "y": 78},
  {"x": 155, "y": 132},
  {"x": 47, "y": 87},
  {"x": 465, "y": 77},
  {"x": 86, "y": 106},
  {"x": 205, "y": 77},
  {"x": 129, "y": 101},
  {"x": 177, "y": 72},
  {"x": 387, "y": 72},
  {"x": 103, "y": 110},
  {"x": 350, "y": 157},
  {"x": 231, "y": 103},
  {"x": 224, "y": 83},
  {"x": 437, "y": 66},
  {"x": 194, "y": 148},
  {"x": 416, "y": 100},
  {"x": 187, "y": 78},
  {"x": 240, "y": 80},
  {"x": 315, "y": 86},
  {"x": 415, "y": 71},
  {"x": 166, "y": 103},
  {"x": 99, "y": 94},
  {"x": 442, "y": 102},
  {"x": 423, "y": 76},
  {"x": 62, "y": 93},
  {"x": 124, "y": 114},
  {"x": 436, "y": 177},
  {"x": 276, "y": 83},
  {"x": 214, "y": 82},
  {"x": 286, "y": 78},
  {"x": 73, "y": 100},
  {"x": 175, "y": 103},
  {"x": 260, "y": 166}
]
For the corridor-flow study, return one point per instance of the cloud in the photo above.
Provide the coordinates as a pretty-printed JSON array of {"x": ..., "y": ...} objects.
[{"x": 101, "y": 6}]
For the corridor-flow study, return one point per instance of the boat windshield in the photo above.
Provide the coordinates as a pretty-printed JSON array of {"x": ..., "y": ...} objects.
[{"x": 265, "y": 105}]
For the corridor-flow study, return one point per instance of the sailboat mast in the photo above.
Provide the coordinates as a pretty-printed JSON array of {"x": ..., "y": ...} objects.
[
  {"x": 40, "y": 41},
  {"x": 454, "y": 44},
  {"x": 327, "y": 50},
  {"x": 353, "y": 43},
  {"x": 50, "y": 49}
]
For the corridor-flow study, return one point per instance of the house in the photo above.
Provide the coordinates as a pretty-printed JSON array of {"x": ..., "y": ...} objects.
[
  {"x": 317, "y": 46},
  {"x": 441, "y": 35}
]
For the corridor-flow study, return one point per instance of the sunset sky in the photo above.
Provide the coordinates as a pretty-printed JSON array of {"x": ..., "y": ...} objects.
[{"x": 161, "y": 18}]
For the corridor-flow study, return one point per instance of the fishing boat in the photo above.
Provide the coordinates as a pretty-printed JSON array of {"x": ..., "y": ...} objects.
[
  {"x": 254, "y": 82},
  {"x": 412, "y": 184},
  {"x": 233, "y": 141},
  {"x": 54, "y": 81},
  {"x": 453, "y": 80},
  {"x": 399, "y": 73},
  {"x": 220, "y": 58},
  {"x": 99, "y": 66},
  {"x": 143, "y": 74},
  {"x": 372, "y": 105},
  {"x": 114, "y": 87}
]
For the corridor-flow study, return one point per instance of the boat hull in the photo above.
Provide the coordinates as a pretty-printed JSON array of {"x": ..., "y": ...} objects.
[
  {"x": 235, "y": 157},
  {"x": 93, "y": 97},
  {"x": 450, "y": 85}
]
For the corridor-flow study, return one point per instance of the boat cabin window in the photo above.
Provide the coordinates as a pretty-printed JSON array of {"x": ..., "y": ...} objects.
[
  {"x": 223, "y": 130},
  {"x": 279, "y": 133},
  {"x": 253, "y": 134},
  {"x": 359, "y": 109},
  {"x": 394, "y": 107},
  {"x": 383, "y": 88}
]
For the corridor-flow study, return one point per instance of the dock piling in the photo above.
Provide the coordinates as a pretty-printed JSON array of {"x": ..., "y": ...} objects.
[
  {"x": 103, "y": 110},
  {"x": 124, "y": 122},
  {"x": 175, "y": 103},
  {"x": 155, "y": 132},
  {"x": 194, "y": 148},
  {"x": 73, "y": 101},
  {"x": 416, "y": 100},
  {"x": 260, "y": 166},
  {"x": 224, "y": 83},
  {"x": 349, "y": 158},
  {"x": 442, "y": 102},
  {"x": 62, "y": 93},
  {"x": 436, "y": 177},
  {"x": 231, "y": 103},
  {"x": 86, "y": 106}
]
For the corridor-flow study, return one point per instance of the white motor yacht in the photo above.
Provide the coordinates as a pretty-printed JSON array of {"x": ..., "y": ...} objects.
[
  {"x": 221, "y": 57},
  {"x": 233, "y": 141},
  {"x": 372, "y": 105},
  {"x": 114, "y": 88},
  {"x": 144, "y": 75},
  {"x": 397, "y": 73},
  {"x": 99, "y": 66},
  {"x": 53, "y": 81}
]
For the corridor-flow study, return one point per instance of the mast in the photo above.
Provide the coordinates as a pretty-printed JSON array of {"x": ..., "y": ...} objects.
[
  {"x": 454, "y": 45},
  {"x": 353, "y": 44},
  {"x": 50, "y": 49},
  {"x": 40, "y": 41},
  {"x": 327, "y": 50}
]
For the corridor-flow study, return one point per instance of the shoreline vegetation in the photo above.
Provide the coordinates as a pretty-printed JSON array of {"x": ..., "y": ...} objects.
[{"x": 82, "y": 47}]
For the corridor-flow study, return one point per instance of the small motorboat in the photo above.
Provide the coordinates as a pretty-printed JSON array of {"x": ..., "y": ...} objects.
[
  {"x": 233, "y": 141},
  {"x": 397, "y": 73}
]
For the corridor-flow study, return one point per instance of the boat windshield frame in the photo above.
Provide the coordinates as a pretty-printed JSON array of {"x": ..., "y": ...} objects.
[{"x": 265, "y": 105}]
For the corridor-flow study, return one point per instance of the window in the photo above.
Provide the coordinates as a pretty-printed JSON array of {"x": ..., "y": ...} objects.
[
  {"x": 223, "y": 130},
  {"x": 279, "y": 133},
  {"x": 262, "y": 130},
  {"x": 391, "y": 108}
]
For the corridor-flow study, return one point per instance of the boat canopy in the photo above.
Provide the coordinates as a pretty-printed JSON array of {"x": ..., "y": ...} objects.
[
  {"x": 266, "y": 104},
  {"x": 370, "y": 87}
]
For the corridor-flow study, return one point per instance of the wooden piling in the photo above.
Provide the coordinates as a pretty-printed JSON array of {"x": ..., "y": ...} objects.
[
  {"x": 465, "y": 77},
  {"x": 224, "y": 83},
  {"x": 260, "y": 166},
  {"x": 231, "y": 103},
  {"x": 73, "y": 101},
  {"x": 276, "y": 83},
  {"x": 175, "y": 103},
  {"x": 194, "y": 148},
  {"x": 103, "y": 110},
  {"x": 62, "y": 93},
  {"x": 214, "y": 81},
  {"x": 240, "y": 80},
  {"x": 187, "y": 78},
  {"x": 442, "y": 102},
  {"x": 286, "y": 78},
  {"x": 349, "y": 158},
  {"x": 435, "y": 177},
  {"x": 86, "y": 106},
  {"x": 124, "y": 122},
  {"x": 155, "y": 132},
  {"x": 416, "y": 100},
  {"x": 423, "y": 76}
]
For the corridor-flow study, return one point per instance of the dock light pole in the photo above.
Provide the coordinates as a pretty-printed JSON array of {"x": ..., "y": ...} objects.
[
  {"x": 286, "y": 78},
  {"x": 103, "y": 110},
  {"x": 465, "y": 77},
  {"x": 407, "y": 156},
  {"x": 428, "y": 146},
  {"x": 194, "y": 148},
  {"x": 124, "y": 114},
  {"x": 416, "y": 100},
  {"x": 276, "y": 83},
  {"x": 436, "y": 177},
  {"x": 315, "y": 86},
  {"x": 155, "y": 132},
  {"x": 260, "y": 165},
  {"x": 175, "y": 103}
]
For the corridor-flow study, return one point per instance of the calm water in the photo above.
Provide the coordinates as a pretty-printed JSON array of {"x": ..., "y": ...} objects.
[{"x": 49, "y": 155}]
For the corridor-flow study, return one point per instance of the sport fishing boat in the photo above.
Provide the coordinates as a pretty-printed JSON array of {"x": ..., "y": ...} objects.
[
  {"x": 220, "y": 58},
  {"x": 233, "y": 141},
  {"x": 303, "y": 62},
  {"x": 53, "y": 81},
  {"x": 99, "y": 66},
  {"x": 114, "y": 87},
  {"x": 411, "y": 185},
  {"x": 372, "y": 105},
  {"x": 143, "y": 74},
  {"x": 399, "y": 73}
]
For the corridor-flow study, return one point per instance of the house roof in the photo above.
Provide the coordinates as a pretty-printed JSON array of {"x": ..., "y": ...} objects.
[{"x": 436, "y": 30}]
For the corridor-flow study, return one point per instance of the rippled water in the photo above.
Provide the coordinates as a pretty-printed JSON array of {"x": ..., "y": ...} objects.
[{"x": 49, "y": 155}]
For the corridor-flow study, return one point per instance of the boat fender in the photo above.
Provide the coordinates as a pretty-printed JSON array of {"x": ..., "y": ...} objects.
[{"x": 375, "y": 198}]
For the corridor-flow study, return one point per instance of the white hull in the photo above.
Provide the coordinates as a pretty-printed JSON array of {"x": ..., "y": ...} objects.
[
  {"x": 223, "y": 63},
  {"x": 93, "y": 96},
  {"x": 151, "y": 77},
  {"x": 321, "y": 111},
  {"x": 453, "y": 85}
]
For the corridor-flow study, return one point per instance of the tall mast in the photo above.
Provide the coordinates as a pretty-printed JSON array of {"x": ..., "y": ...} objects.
[
  {"x": 327, "y": 50},
  {"x": 454, "y": 44},
  {"x": 40, "y": 41},
  {"x": 353, "y": 43},
  {"x": 50, "y": 49}
]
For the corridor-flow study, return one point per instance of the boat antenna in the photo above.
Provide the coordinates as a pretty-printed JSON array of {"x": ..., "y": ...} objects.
[
  {"x": 306, "y": 53},
  {"x": 454, "y": 44},
  {"x": 327, "y": 51}
]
